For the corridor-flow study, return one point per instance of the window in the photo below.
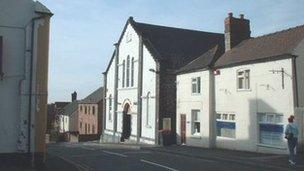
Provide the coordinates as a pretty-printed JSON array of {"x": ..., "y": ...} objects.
[
  {"x": 271, "y": 129},
  {"x": 80, "y": 108},
  {"x": 243, "y": 77},
  {"x": 80, "y": 125},
  {"x": 132, "y": 72},
  {"x": 110, "y": 107},
  {"x": 93, "y": 129},
  {"x": 129, "y": 37},
  {"x": 85, "y": 128},
  {"x": 89, "y": 109},
  {"x": 225, "y": 125},
  {"x": 85, "y": 109},
  {"x": 123, "y": 73},
  {"x": 89, "y": 129},
  {"x": 93, "y": 110},
  {"x": 147, "y": 110},
  {"x": 128, "y": 71},
  {"x": 196, "y": 85},
  {"x": 196, "y": 123}
]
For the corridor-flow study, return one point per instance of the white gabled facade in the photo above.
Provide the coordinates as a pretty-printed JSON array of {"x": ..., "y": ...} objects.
[{"x": 125, "y": 64}]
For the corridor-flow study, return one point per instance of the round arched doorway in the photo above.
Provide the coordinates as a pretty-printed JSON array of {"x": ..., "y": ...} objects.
[{"x": 126, "y": 122}]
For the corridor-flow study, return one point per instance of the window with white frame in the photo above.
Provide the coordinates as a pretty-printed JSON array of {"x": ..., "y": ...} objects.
[
  {"x": 225, "y": 125},
  {"x": 243, "y": 79},
  {"x": 123, "y": 73},
  {"x": 132, "y": 72},
  {"x": 196, "y": 85},
  {"x": 196, "y": 123},
  {"x": 128, "y": 72},
  {"x": 271, "y": 129}
]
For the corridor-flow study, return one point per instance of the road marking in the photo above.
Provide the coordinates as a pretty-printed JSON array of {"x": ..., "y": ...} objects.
[
  {"x": 159, "y": 165},
  {"x": 116, "y": 154},
  {"x": 138, "y": 152},
  {"x": 80, "y": 167},
  {"x": 177, "y": 155}
]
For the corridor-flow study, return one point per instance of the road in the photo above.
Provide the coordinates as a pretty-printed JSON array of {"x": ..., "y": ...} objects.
[{"x": 99, "y": 158}]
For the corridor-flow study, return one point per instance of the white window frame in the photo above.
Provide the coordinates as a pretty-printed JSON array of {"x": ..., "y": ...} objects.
[
  {"x": 197, "y": 81},
  {"x": 226, "y": 117},
  {"x": 243, "y": 74},
  {"x": 123, "y": 73},
  {"x": 132, "y": 72},
  {"x": 198, "y": 117}
]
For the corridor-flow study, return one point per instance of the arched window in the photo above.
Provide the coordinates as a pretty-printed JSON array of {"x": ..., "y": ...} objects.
[
  {"x": 147, "y": 109},
  {"x": 128, "y": 71},
  {"x": 110, "y": 107},
  {"x": 132, "y": 72},
  {"x": 123, "y": 73}
]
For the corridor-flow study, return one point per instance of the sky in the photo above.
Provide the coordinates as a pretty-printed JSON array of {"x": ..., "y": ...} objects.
[{"x": 83, "y": 31}]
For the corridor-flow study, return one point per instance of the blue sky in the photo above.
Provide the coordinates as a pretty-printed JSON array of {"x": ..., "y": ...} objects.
[{"x": 83, "y": 31}]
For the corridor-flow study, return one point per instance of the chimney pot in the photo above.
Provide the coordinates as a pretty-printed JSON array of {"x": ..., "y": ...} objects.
[
  {"x": 230, "y": 14},
  {"x": 242, "y": 16}
]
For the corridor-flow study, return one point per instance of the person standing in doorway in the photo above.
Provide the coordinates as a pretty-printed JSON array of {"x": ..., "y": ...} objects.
[{"x": 291, "y": 134}]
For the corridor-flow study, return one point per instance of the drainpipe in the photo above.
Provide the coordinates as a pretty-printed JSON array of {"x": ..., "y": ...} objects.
[
  {"x": 139, "y": 88},
  {"x": 31, "y": 84},
  {"x": 116, "y": 88},
  {"x": 104, "y": 105}
]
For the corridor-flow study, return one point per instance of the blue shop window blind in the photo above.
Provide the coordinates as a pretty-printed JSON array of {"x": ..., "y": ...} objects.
[
  {"x": 272, "y": 134},
  {"x": 225, "y": 129}
]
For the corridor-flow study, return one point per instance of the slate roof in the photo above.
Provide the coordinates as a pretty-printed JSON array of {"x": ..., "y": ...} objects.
[
  {"x": 169, "y": 43},
  {"x": 70, "y": 108},
  {"x": 177, "y": 42},
  {"x": 274, "y": 45},
  {"x": 94, "y": 97},
  {"x": 40, "y": 8},
  {"x": 204, "y": 61}
]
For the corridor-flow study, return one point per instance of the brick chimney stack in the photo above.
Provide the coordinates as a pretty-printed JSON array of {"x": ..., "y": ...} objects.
[
  {"x": 236, "y": 30},
  {"x": 74, "y": 96}
]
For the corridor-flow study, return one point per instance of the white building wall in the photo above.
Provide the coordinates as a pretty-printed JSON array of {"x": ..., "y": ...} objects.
[
  {"x": 110, "y": 94},
  {"x": 265, "y": 95},
  {"x": 149, "y": 86},
  {"x": 128, "y": 47},
  {"x": 187, "y": 101},
  {"x": 16, "y": 33},
  {"x": 64, "y": 123}
]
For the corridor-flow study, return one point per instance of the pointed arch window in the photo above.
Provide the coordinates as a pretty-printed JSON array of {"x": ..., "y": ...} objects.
[
  {"x": 147, "y": 109},
  {"x": 132, "y": 72},
  {"x": 123, "y": 73},
  {"x": 128, "y": 71},
  {"x": 110, "y": 107}
]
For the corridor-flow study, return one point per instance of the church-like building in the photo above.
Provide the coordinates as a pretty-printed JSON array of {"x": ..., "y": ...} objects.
[{"x": 140, "y": 80}]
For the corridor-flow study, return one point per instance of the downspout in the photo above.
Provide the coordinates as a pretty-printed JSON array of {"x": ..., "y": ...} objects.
[
  {"x": 139, "y": 89},
  {"x": 104, "y": 105},
  {"x": 116, "y": 89},
  {"x": 31, "y": 81}
]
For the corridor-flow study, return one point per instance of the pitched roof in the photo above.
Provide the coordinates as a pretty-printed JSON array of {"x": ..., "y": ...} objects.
[
  {"x": 204, "y": 61},
  {"x": 40, "y": 8},
  {"x": 169, "y": 43},
  {"x": 176, "y": 42},
  {"x": 70, "y": 108},
  {"x": 269, "y": 46},
  {"x": 94, "y": 97}
]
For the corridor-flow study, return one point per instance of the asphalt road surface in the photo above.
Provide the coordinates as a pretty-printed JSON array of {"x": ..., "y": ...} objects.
[{"x": 99, "y": 158}]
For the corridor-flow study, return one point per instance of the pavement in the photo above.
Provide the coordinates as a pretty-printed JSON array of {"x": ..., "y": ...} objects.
[{"x": 93, "y": 156}]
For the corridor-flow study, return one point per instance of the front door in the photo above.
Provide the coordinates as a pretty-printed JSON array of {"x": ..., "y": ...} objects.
[
  {"x": 183, "y": 128},
  {"x": 126, "y": 132}
]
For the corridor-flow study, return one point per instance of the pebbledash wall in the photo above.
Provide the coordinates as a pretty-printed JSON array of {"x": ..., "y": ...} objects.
[
  {"x": 129, "y": 47},
  {"x": 24, "y": 28},
  {"x": 240, "y": 120}
]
